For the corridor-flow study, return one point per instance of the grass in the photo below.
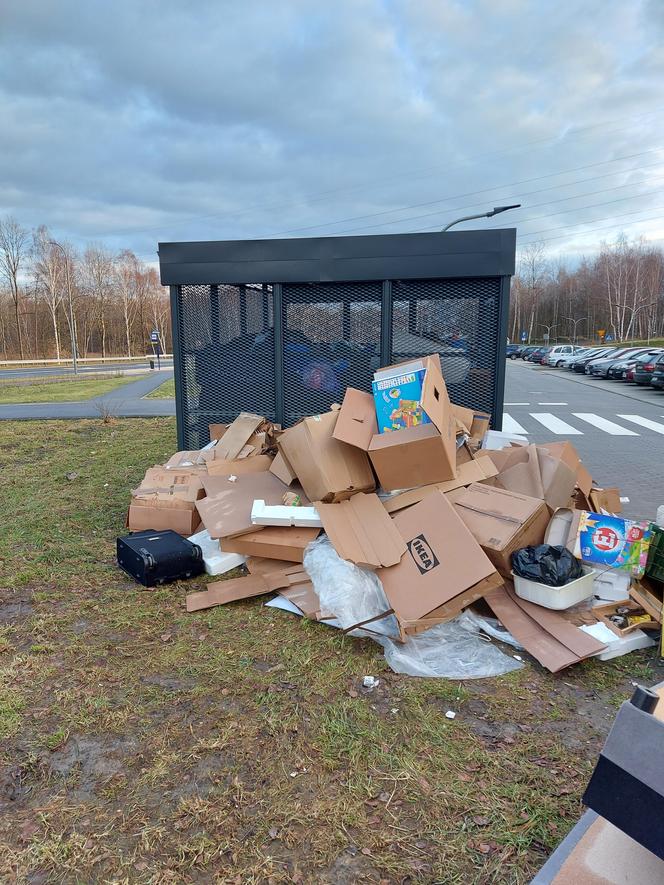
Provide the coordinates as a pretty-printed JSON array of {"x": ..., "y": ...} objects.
[
  {"x": 164, "y": 391},
  {"x": 139, "y": 743},
  {"x": 60, "y": 390}
]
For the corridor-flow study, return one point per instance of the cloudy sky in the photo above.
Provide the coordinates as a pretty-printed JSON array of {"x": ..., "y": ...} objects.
[{"x": 144, "y": 120}]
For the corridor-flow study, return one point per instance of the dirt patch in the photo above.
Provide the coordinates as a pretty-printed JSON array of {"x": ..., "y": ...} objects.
[{"x": 90, "y": 761}]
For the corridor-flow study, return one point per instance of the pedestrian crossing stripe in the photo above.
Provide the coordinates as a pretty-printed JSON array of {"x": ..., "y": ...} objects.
[{"x": 558, "y": 427}]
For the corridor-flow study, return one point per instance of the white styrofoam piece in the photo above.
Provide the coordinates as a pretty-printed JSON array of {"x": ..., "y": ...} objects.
[
  {"x": 610, "y": 585},
  {"x": 556, "y": 598},
  {"x": 498, "y": 439},
  {"x": 616, "y": 646},
  {"x": 282, "y": 514},
  {"x": 216, "y": 561}
]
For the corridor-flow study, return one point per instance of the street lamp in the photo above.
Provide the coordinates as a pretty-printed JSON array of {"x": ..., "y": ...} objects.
[
  {"x": 547, "y": 336},
  {"x": 72, "y": 328},
  {"x": 575, "y": 322},
  {"x": 495, "y": 211}
]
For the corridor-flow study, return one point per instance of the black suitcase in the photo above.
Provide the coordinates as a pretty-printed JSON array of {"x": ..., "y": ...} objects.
[{"x": 153, "y": 557}]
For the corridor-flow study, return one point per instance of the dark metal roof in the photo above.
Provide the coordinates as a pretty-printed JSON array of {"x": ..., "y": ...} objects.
[{"x": 468, "y": 253}]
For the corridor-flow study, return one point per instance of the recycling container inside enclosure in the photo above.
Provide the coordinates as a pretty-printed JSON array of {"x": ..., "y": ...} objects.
[{"x": 282, "y": 327}]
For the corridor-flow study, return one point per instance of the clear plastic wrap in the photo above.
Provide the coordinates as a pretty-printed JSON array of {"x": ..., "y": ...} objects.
[
  {"x": 454, "y": 650},
  {"x": 351, "y": 593}
]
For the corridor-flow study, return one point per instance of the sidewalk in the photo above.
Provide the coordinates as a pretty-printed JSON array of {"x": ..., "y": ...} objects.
[{"x": 123, "y": 402}]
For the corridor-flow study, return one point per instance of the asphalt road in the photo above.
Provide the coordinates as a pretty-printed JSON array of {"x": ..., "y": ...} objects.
[
  {"x": 100, "y": 369},
  {"x": 617, "y": 428}
]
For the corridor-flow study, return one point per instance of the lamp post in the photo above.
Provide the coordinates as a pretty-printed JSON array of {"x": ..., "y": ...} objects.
[
  {"x": 72, "y": 328},
  {"x": 575, "y": 322},
  {"x": 547, "y": 336},
  {"x": 495, "y": 211}
]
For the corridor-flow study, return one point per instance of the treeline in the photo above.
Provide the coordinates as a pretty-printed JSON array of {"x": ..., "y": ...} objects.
[
  {"x": 54, "y": 298},
  {"x": 619, "y": 291}
]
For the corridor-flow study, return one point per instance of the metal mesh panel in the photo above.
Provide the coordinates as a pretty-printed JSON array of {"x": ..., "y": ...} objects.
[
  {"x": 331, "y": 341},
  {"x": 226, "y": 341},
  {"x": 459, "y": 319}
]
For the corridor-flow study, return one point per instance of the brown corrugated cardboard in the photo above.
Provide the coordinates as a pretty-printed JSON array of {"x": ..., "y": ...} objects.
[
  {"x": 237, "y": 435},
  {"x": 442, "y": 560},
  {"x": 649, "y": 594},
  {"x": 329, "y": 470},
  {"x": 235, "y": 589},
  {"x": 451, "y": 609},
  {"x": 566, "y": 453},
  {"x": 227, "y": 509},
  {"x": 464, "y": 417},
  {"x": 192, "y": 459},
  {"x": 273, "y": 542},
  {"x": 216, "y": 431},
  {"x": 605, "y": 500},
  {"x": 581, "y": 644},
  {"x": 410, "y": 457},
  {"x": 479, "y": 427},
  {"x": 282, "y": 469},
  {"x": 259, "y": 565},
  {"x": 501, "y": 521},
  {"x": 184, "y": 485},
  {"x": 224, "y": 467},
  {"x": 533, "y": 471},
  {"x": 147, "y": 515},
  {"x": 475, "y": 470},
  {"x": 361, "y": 531}
]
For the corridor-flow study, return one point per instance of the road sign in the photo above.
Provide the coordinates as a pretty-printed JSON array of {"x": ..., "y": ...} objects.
[
  {"x": 524, "y": 336},
  {"x": 154, "y": 335},
  {"x": 609, "y": 337},
  {"x": 545, "y": 336}
]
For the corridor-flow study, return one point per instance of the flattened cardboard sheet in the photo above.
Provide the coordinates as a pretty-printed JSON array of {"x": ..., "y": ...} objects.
[{"x": 361, "y": 531}]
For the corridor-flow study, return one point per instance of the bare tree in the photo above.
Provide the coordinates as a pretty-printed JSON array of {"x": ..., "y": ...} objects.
[
  {"x": 48, "y": 273},
  {"x": 533, "y": 271},
  {"x": 126, "y": 267},
  {"x": 98, "y": 276},
  {"x": 13, "y": 249}
]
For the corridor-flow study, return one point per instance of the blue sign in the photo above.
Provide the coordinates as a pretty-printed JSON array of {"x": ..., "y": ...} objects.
[
  {"x": 154, "y": 335},
  {"x": 524, "y": 336},
  {"x": 609, "y": 338}
]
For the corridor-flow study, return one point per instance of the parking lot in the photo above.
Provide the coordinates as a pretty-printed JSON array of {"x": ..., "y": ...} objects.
[{"x": 617, "y": 428}]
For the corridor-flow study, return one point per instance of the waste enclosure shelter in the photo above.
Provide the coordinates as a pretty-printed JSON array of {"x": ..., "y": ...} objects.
[{"x": 282, "y": 327}]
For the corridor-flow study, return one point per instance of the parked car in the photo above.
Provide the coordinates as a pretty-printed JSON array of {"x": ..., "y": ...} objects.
[
  {"x": 657, "y": 379},
  {"x": 579, "y": 365},
  {"x": 600, "y": 368},
  {"x": 557, "y": 355},
  {"x": 565, "y": 361},
  {"x": 513, "y": 351},
  {"x": 644, "y": 371},
  {"x": 538, "y": 355},
  {"x": 620, "y": 369},
  {"x": 527, "y": 350}
]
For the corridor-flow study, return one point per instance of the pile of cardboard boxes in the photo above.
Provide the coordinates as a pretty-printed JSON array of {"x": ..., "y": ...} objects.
[{"x": 436, "y": 510}]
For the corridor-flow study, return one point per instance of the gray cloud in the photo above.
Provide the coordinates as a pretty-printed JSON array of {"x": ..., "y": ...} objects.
[{"x": 137, "y": 122}]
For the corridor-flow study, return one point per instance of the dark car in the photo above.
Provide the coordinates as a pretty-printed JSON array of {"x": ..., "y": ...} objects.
[
  {"x": 643, "y": 372},
  {"x": 596, "y": 354},
  {"x": 620, "y": 369},
  {"x": 600, "y": 368},
  {"x": 538, "y": 355},
  {"x": 657, "y": 379},
  {"x": 513, "y": 351},
  {"x": 526, "y": 351}
]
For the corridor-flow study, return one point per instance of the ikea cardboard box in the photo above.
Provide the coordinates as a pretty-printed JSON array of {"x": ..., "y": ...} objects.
[
  {"x": 166, "y": 499},
  {"x": 328, "y": 469},
  {"x": 502, "y": 521},
  {"x": 410, "y": 457},
  {"x": 442, "y": 571}
]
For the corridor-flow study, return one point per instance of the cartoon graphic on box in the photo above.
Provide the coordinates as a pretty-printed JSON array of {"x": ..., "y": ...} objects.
[
  {"x": 613, "y": 542},
  {"x": 397, "y": 401}
]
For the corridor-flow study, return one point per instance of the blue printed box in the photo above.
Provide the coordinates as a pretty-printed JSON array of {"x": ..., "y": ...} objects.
[
  {"x": 398, "y": 401},
  {"x": 613, "y": 542}
]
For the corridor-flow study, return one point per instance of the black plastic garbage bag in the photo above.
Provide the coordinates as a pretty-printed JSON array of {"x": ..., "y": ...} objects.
[{"x": 547, "y": 564}]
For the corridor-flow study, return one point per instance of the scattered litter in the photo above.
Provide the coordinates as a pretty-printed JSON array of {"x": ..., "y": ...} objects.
[
  {"x": 450, "y": 714},
  {"x": 399, "y": 516}
]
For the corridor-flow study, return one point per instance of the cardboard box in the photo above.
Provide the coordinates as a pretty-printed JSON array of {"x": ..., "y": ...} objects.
[
  {"x": 533, "y": 471},
  {"x": 605, "y": 500},
  {"x": 613, "y": 542},
  {"x": 405, "y": 458},
  {"x": 442, "y": 562},
  {"x": 566, "y": 453},
  {"x": 282, "y": 469},
  {"x": 225, "y": 467},
  {"x": 329, "y": 470},
  {"x": 361, "y": 531},
  {"x": 216, "y": 431},
  {"x": 475, "y": 470},
  {"x": 502, "y": 521},
  {"x": 237, "y": 435},
  {"x": 272, "y": 542},
  {"x": 650, "y": 595},
  {"x": 226, "y": 511},
  {"x": 150, "y": 515},
  {"x": 235, "y": 589}
]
